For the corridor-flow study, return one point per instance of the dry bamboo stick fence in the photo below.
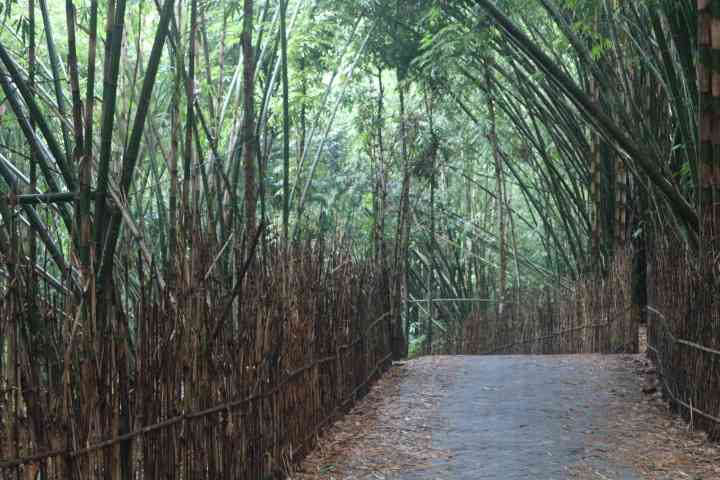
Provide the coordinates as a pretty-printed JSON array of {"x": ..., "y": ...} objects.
[
  {"x": 553, "y": 336},
  {"x": 226, "y": 407},
  {"x": 594, "y": 315},
  {"x": 684, "y": 334},
  {"x": 309, "y": 333}
]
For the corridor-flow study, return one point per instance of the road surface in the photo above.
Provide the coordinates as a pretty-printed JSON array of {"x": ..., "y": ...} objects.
[
  {"x": 575, "y": 417},
  {"x": 524, "y": 417}
]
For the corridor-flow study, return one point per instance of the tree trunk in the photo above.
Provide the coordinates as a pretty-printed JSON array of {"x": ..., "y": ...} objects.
[
  {"x": 189, "y": 118},
  {"x": 400, "y": 265},
  {"x": 595, "y": 204},
  {"x": 248, "y": 129},
  {"x": 431, "y": 243},
  {"x": 709, "y": 95},
  {"x": 499, "y": 195},
  {"x": 286, "y": 120},
  {"x": 430, "y": 265}
]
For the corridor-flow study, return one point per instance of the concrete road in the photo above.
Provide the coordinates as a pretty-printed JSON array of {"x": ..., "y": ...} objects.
[{"x": 525, "y": 417}]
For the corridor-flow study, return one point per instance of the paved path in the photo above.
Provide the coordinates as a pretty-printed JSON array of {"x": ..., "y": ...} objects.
[
  {"x": 524, "y": 417},
  {"x": 581, "y": 417}
]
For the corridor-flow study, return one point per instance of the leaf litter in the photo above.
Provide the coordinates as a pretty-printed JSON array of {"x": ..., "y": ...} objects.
[
  {"x": 644, "y": 434},
  {"x": 389, "y": 431}
]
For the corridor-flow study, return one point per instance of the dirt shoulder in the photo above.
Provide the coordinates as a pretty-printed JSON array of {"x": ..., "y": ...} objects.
[
  {"x": 387, "y": 432},
  {"x": 647, "y": 436}
]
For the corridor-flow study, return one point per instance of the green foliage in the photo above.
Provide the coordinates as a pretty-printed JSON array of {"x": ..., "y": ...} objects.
[{"x": 449, "y": 61}]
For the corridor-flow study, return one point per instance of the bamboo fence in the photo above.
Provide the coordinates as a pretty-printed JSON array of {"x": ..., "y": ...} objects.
[
  {"x": 174, "y": 390},
  {"x": 594, "y": 315},
  {"x": 684, "y": 333}
]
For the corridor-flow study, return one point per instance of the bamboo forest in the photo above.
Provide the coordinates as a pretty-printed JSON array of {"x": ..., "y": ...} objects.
[{"x": 359, "y": 239}]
